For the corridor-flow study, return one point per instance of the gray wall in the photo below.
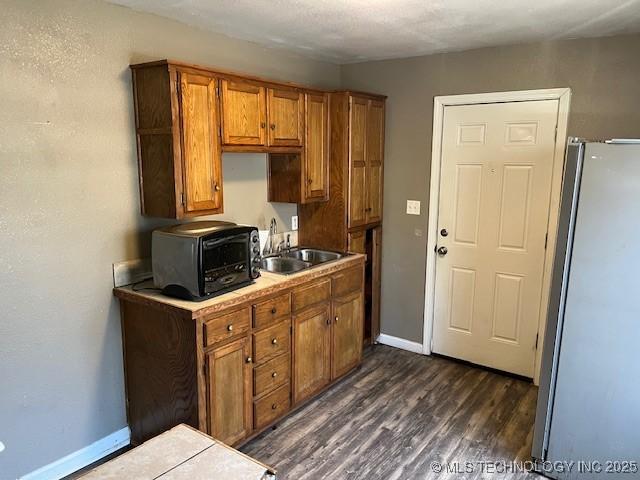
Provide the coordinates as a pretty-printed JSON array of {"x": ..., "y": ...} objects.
[
  {"x": 604, "y": 75},
  {"x": 69, "y": 206}
]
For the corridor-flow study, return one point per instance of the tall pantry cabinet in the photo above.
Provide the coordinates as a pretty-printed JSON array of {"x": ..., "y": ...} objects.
[{"x": 351, "y": 220}]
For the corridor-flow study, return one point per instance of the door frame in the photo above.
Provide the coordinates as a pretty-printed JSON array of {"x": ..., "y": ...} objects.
[{"x": 563, "y": 95}]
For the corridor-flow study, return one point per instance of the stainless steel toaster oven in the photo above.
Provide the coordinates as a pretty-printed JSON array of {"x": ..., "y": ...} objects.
[{"x": 198, "y": 260}]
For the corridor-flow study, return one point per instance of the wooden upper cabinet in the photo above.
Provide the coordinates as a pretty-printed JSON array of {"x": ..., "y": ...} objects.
[
  {"x": 348, "y": 312},
  {"x": 358, "y": 108},
  {"x": 374, "y": 154},
  {"x": 286, "y": 117},
  {"x": 366, "y": 152},
  {"x": 312, "y": 352},
  {"x": 177, "y": 129},
  {"x": 230, "y": 391},
  {"x": 244, "y": 113},
  {"x": 201, "y": 153},
  {"x": 316, "y": 148}
]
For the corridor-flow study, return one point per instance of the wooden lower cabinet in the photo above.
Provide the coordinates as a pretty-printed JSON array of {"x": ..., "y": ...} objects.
[
  {"x": 346, "y": 337},
  {"x": 234, "y": 372},
  {"x": 312, "y": 352},
  {"x": 229, "y": 391}
]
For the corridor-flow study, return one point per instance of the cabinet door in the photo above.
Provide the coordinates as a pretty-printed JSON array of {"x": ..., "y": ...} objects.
[
  {"x": 229, "y": 391},
  {"x": 357, "y": 161},
  {"x": 244, "y": 113},
  {"x": 357, "y": 242},
  {"x": 286, "y": 118},
  {"x": 316, "y": 149},
  {"x": 311, "y": 352},
  {"x": 201, "y": 155},
  {"x": 375, "y": 152},
  {"x": 348, "y": 316}
]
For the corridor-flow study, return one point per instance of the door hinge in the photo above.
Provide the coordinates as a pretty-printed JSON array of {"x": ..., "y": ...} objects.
[
  {"x": 546, "y": 240},
  {"x": 555, "y": 135},
  {"x": 537, "y": 336}
]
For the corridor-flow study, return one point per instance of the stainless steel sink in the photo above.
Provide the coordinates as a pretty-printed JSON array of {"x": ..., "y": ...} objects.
[
  {"x": 312, "y": 255},
  {"x": 283, "y": 265},
  {"x": 297, "y": 259}
]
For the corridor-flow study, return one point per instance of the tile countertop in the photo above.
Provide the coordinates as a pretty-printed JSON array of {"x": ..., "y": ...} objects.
[{"x": 268, "y": 283}]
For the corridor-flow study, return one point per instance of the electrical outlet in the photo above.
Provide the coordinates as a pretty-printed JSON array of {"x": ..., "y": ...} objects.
[
  {"x": 294, "y": 222},
  {"x": 413, "y": 207}
]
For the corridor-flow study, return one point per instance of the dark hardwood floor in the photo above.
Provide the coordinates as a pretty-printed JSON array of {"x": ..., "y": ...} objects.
[{"x": 400, "y": 413}]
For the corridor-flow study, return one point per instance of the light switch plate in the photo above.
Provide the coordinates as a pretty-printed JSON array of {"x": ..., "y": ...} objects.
[
  {"x": 294, "y": 223},
  {"x": 413, "y": 207}
]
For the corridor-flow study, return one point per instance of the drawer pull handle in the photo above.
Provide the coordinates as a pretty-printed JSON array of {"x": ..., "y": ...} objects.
[
  {"x": 274, "y": 374},
  {"x": 230, "y": 327},
  {"x": 274, "y": 341},
  {"x": 249, "y": 359},
  {"x": 273, "y": 311},
  {"x": 274, "y": 406}
]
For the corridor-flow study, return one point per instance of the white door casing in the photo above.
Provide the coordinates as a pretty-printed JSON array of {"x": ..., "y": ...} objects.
[{"x": 498, "y": 176}]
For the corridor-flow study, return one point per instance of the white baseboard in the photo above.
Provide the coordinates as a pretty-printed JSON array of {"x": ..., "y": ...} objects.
[
  {"x": 81, "y": 458},
  {"x": 408, "y": 345}
]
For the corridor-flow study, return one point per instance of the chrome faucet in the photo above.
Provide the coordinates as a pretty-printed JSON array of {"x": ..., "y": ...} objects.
[{"x": 273, "y": 230}]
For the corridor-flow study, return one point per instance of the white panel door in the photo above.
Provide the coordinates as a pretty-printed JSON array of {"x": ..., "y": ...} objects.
[{"x": 495, "y": 186}]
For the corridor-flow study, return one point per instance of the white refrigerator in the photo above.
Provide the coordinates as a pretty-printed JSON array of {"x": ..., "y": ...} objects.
[{"x": 588, "y": 413}]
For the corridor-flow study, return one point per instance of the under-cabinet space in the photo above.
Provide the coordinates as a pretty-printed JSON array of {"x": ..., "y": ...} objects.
[{"x": 303, "y": 177}]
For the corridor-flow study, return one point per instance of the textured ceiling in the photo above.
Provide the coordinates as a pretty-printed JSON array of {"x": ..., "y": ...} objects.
[{"x": 347, "y": 31}]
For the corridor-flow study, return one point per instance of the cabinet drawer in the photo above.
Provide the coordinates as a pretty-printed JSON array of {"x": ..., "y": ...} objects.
[
  {"x": 271, "y": 341},
  {"x": 272, "y": 406},
  {"x": 311, "y": 295},
  {"x": 270, "y": 311},
  {"x": 226, "y": 326},
  {"x": 270, "y": 375},
  {"x": 347, "y": 281}
]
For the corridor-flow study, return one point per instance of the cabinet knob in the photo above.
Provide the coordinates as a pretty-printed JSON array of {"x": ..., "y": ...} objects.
[
  {"x": 262, "y": 124},
  {"x": 274, "y": 341},
  {"x": 309, "y": 181},
  {"x": 274, "y": 406},
  {"x": 273, "y": 126},
  {"x": 274, "y": 374},
  {"x": 273, "y": 311},
  {"x": 216, "y": 187},
  {"x": 230, "y": 327},
  {"x": 249, "y": 359},
  {"x": 336, "y": 319}
]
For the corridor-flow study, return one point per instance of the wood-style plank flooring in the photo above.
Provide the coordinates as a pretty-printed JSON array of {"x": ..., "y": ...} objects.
[{"x": 397, "y": 415}]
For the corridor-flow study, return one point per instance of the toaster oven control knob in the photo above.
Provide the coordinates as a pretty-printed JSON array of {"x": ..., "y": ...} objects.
[
  {"x": 254, "y": 239},
  {"x": 255, "y": 271},
  {"x": 256, "y": 250}
]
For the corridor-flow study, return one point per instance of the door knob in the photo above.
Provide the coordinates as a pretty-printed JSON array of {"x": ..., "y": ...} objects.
[
  {"x": 442, "y": 251},
  {"x": 444, "y": 232}
]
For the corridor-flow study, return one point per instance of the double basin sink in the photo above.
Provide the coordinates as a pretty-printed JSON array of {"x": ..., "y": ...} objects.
[{"x": 297, "y": 259}]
